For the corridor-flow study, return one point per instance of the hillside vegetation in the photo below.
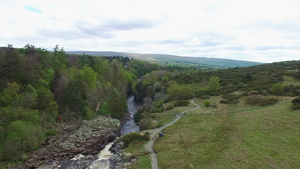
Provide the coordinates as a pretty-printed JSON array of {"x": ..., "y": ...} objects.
[
  {"x": 173, "y": 60},
  {"x": 249, "y": 117}
]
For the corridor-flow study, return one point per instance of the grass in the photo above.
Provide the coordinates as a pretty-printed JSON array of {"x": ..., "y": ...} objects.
[
  {"x": 143, "y": 159},
  {"x": 238, "y": 136},
  {"x": 137, "y": 149},
  {"x": 165, "y": 118}
]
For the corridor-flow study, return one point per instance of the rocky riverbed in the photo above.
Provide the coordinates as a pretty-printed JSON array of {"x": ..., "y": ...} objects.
[
  {"x": 76, "y": 141},
  {"x": 88, "y": 144}
]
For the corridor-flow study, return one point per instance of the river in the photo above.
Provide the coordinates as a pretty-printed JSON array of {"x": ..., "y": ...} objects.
[{"x": 130, "y": 125}]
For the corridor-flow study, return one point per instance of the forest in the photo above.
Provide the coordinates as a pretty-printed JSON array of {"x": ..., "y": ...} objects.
[{"x": 39, "y": 88}]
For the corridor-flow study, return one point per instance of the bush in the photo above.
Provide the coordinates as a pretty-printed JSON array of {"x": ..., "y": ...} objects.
[
  {"x": 230, "y": 99},
  {"x": 206, "y": 103},
  {"x": 261, "y": 101},
  {"x": 51, "y": 132},
  {"x": 134, "y": 137},
  {"x": 170, "y": 107},
  {"x": 145, "y": 123},
  {"x": 181, "y": 103},
  {"x": 138, "y": 116},
  {"x": 277, "y": 89},
  {"x": 296, "y": 103}
]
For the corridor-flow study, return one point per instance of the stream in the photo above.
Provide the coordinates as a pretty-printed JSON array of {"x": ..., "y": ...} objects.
[
  {"x": 104, "y": 156},
  {"x": 130, "y": 125}
]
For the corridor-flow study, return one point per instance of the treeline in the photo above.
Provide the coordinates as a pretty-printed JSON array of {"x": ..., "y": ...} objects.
[{"x": 39, "y": 88}]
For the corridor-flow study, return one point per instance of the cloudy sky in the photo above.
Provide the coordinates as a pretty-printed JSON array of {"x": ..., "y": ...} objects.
[{"x": 254, "y": 30}]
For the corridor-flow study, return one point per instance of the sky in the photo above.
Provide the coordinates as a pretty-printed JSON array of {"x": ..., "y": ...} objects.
[{"x": 253, "y": 30}]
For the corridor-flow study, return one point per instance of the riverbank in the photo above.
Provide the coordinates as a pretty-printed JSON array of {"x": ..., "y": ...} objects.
[{"x": 87, "y": 139}]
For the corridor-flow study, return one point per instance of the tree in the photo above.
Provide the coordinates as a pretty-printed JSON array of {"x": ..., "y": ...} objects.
[
  {"x": 59, "y": 59},
  {"x": 214, "y": 84},
  {"x": 10, "y": 93},
  {"x": 89, "y": 77},
  {"x": 75, "y": 97},
  {"x": 22, "y": 137},
  {"x": 277, "y": 89}
]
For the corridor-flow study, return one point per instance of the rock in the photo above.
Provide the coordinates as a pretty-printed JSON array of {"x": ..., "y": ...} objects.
[
  {"x": 87, "y": 139},
  {"x": 127, "y": 157},
  {"x": 133, "y": 160},
  {"x": 127, "y": 164}
]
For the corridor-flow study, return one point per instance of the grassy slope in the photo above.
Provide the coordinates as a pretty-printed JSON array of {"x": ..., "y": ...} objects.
[
  {"x": 233, "y": 137},
  {"x": 142, "y": 156},
  {"x": 138, "y": 150}
]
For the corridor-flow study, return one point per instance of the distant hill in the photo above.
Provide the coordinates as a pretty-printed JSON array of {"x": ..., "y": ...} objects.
[{"x": 172, "y": 59}]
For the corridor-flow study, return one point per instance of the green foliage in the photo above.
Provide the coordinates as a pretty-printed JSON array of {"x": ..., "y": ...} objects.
[
  {"x": 206, "y": 103},
  {"x": 296, "y": 103},
  {"x": 134, "y": 137},
  {"x": 138, "y": 115},
  {"x": 89, "y": 114},
  {"x": 261, "y": 101},
  {"x": 230, "y": 99},
  {"x": 182, "y": 103},
  {"x": 21, "y": 138},
  {"x": 170, "y": 107},
  {"x": 180, "y": 92},
  {"x": 89, "y": 77},
  {"x": 104, "y": 110},
  {"x": 10, "y": 93},
  {"x": 214, "y": 84},
  {"x": 145, "y": 123},
  {"x": 75, "y": 97},
  {"x": 277, "y": 89},
  {"x": 31, "y": 90},
  {"x": 51, "y": 132}
]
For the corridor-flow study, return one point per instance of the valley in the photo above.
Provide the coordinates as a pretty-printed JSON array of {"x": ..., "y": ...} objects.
[{"x": 59, "y": 105}]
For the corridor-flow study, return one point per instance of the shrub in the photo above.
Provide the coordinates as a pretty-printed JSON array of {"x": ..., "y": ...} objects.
[
  {"x": 181, "y": 103},
  {"x": 138, "y": 115},
  {"x": 51, "y": 132},
  {"x": 230, "y": 99},
  {"x": 277, "y": 89},
  {"x": 204, "y": 97},
  {"x": 206, "y": 103},
  {"x": 261, "y": 101},
  {"x": 170, "y": 107},
  {"x": 134, "y": 137},
  {"x": 145, "y": 123},
  {"x": 296, "y": 103}
]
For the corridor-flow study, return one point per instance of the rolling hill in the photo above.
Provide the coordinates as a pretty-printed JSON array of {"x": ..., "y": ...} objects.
[{"x": 172, "y": 59}]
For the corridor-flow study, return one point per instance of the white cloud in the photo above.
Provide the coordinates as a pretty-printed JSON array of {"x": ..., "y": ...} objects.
[{"x": 266, "y": 30}]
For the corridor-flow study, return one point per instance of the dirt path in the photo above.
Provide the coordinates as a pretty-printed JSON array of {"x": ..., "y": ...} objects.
[{"x": 149, "y": 145}]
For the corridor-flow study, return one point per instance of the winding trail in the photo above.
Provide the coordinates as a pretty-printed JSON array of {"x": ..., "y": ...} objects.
[{"x": 149, "y": 145}]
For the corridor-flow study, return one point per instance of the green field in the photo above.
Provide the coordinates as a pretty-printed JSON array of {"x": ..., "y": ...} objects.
[{"x": 239, "y": 137}]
